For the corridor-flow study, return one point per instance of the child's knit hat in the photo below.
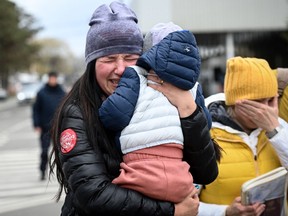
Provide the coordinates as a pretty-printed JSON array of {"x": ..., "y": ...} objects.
[
  {"x": 157, "y": 33},
  {"x": 248, "y": 78},
  {"x": 113, "y": 30}
]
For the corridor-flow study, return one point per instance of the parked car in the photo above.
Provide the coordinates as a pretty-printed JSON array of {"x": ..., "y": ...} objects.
[
  {"x": 3, "y": 94},
  {"x": 28, "y": 92}
]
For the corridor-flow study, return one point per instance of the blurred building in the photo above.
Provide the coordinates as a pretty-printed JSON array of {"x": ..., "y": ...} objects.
[{"x": 223, "y": 29}]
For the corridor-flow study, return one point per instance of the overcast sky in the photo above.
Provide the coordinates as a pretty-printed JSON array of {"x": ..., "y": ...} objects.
[{"x": 66, "y": 20}]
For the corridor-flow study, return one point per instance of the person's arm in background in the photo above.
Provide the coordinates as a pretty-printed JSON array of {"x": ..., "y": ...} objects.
[
  {"x": 211, "y": 209},
  {"x": 234, "y": 209},
  {"x": 199, "y": 156},
  {"x": 199, "y": 149},
  {"x": 279, "y": 142}
]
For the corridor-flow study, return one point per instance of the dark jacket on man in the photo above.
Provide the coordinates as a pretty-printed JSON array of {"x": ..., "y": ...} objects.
[{"x": 47, "y": 101}]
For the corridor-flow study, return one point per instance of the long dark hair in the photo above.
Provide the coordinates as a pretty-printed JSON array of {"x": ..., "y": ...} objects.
[{"x": 87, "y": 95}]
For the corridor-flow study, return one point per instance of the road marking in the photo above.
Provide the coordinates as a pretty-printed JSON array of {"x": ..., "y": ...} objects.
[
  {"x": 3, "y": 138},
  {"x": 20, "y": 185},
  {"x": 14, "y": 129}
]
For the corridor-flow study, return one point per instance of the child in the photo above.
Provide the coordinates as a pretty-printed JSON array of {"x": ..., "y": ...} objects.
[{"x": 149, "y": 127}]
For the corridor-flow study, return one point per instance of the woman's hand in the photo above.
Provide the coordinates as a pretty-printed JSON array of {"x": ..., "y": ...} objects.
[
  {"x": 263, "y": 113},
  {"x": 181, "y": 99},
  {"x": 237, "y": 209},
  {"x": 189, "y": 206}
]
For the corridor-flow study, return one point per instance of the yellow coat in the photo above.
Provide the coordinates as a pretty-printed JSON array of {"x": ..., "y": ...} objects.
[{"x": 237, "y": 165}]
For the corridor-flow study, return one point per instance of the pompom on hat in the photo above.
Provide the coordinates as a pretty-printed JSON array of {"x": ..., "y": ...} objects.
[
  {"x": 248, "y": 78},
  {"x": 113, "y": 30}
]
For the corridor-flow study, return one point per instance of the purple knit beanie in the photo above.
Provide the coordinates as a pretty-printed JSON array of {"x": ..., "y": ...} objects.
[{"x": 113, "y": 30}]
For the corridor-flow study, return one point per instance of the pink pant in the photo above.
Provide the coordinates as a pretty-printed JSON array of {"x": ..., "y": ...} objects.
[{"x": 157, "y": 172}]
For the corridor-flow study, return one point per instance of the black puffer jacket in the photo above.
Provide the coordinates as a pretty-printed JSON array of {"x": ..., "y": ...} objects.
[{"x": 90, "y": 189}]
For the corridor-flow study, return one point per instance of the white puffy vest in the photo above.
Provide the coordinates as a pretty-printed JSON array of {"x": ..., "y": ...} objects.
[{"x": 155, "y": 120}]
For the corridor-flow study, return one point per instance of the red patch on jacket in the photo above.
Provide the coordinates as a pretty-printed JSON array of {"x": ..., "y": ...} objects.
[{"x": 68, "y": 140}]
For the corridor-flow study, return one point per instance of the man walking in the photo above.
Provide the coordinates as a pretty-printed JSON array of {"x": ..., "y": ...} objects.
[{"x": 44, "y": 107}]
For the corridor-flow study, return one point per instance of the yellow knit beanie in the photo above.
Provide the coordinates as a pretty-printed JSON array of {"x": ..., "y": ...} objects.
[{"x": 248, "y": 78}]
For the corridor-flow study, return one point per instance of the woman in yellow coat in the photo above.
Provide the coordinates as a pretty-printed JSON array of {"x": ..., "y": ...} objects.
[{"x": 246, "y": 125}]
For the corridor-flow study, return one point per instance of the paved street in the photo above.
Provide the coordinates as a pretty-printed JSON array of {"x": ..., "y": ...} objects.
[{"x": 21, "y": 191}]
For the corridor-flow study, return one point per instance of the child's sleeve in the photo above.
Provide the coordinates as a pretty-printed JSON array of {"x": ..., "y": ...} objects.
[{"x": 116, "y": 111}]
